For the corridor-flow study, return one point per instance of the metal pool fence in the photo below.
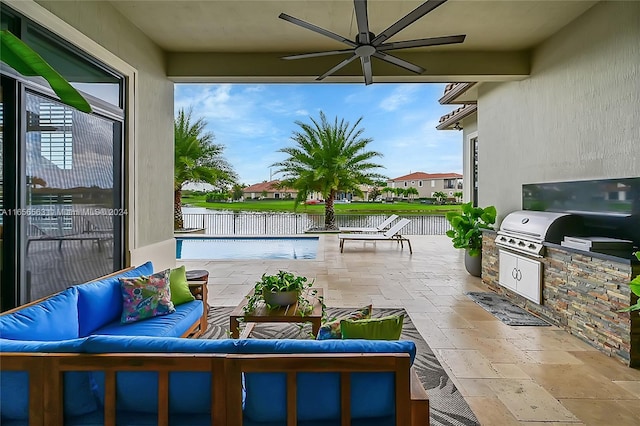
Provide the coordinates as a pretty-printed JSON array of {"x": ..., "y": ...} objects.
[{"x": 262, "y": 223}]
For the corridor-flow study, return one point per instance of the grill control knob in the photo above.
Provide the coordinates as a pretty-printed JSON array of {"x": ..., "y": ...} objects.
[
  {"x": 532, "y": 246},
  {"x": 521, "y": 244}
]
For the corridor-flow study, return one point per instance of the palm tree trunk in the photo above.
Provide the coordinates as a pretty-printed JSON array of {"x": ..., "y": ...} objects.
[
  {"x": 329, "y": 212},
  {"x": 177, "y": 209}
]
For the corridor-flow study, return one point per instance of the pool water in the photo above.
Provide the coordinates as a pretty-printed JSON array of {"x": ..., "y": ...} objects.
[{"x": 246, "y": 248}]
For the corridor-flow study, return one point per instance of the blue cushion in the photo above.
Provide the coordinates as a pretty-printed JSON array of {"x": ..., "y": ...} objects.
[
  {"x": 143, "y": 344},
  {"x": 172, "y": 325},
  {"x": 137, "y": 419},
  {"x": 100, "y": 302},
  {"x": 189, "y": 393},
  {"x": 53, "y": 319},
  {"x": 293, "y": 346},
  {"x": 14, "y": 385},
  {"x": 318, "y": 393}
]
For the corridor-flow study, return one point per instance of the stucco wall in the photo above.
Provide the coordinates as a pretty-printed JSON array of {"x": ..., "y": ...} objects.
[
  {"x": 150, "y": 139},
  {"x": 577, "y": 116}
]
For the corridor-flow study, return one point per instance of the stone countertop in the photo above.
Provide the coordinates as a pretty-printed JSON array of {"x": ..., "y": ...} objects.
[{"x": 631, "y": 260}]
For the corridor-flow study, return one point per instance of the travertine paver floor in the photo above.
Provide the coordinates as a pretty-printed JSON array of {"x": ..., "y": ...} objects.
[{"x": 508, "y": 375}]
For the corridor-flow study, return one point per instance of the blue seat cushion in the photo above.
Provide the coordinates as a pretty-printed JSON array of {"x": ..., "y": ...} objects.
[
  {"x": 53, "y": 319},
  {"x": 172, "y": 325},
  {"x": 319, "y": 393},
  {"x": 14, "y": 385},
  {"x": 100, "y": 302},
  {"x": 124, "y": 418},
  {"x": 189, "y": 392}
]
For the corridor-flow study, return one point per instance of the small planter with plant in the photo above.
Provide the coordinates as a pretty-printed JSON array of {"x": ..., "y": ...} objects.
[
  {"x": 466, "y": 232},
  {"x": 282, "y": 289}
]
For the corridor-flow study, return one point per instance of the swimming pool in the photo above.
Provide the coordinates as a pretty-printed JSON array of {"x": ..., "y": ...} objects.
[{"x": 246, "y": 248}]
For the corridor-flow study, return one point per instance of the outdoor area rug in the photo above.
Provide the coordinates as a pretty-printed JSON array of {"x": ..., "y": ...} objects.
[
  {"x": 447, "y": 406},
  {"x": 502, "y": 308}
]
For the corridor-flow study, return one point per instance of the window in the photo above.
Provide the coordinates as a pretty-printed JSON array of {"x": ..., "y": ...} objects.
[
  {"x": 54, "y": 122},
  {"x": 449, "y": 183},
  {"x": 433, "y": 183},
  {"x": 413, "y": 182},
  {"x": 405, "y": 183},
  {"x": 420, "y": 184}
]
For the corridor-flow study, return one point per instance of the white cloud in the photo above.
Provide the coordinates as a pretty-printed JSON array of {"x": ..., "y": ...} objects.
[{"x": 402, "y": 95}]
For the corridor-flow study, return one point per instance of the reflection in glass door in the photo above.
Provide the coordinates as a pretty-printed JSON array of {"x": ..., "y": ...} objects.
[{"x": 73, "y": 214}]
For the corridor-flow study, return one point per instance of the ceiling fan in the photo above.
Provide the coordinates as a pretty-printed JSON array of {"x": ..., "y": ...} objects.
[{"x": 367, "y": 44}]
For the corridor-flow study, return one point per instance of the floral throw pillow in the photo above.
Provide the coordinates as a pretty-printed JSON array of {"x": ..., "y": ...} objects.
[
  {"x": 146, "y": 297},
  {"x": 331, "y": 329}
]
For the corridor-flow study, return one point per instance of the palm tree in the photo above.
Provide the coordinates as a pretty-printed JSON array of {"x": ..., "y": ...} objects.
[
  {"x": 197, "y": 159},
  {"x": 327, "y": 158},
  {"x": 411, "y": 192},
  {"x": 440, "y": 196}
]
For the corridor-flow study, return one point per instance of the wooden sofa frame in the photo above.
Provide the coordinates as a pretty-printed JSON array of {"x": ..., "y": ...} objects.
[{"x": 46, "y": 380}]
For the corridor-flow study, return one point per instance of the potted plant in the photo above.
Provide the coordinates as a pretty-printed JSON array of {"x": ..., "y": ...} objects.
[
  {"x": 466, "y": 233},
  {"x": 281, "y": 289}
]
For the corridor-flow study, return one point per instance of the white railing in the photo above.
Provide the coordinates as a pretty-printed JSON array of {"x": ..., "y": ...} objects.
[{"x": 264, "y": 223}]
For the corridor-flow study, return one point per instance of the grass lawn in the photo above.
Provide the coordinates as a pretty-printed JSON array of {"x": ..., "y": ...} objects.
[{"x": 352, "y": 208}]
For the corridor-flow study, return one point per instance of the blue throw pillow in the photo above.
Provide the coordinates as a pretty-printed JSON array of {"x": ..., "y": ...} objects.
[
  {"x": 53, "y": 319},
  {"x": 100, "y": 302}
]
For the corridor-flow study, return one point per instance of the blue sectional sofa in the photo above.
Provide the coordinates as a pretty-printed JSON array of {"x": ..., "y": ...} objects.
[{"x": 67, "y": 360}]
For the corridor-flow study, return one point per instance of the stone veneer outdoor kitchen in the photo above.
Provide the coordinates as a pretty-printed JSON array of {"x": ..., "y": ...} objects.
[{"x": 582, "y": 293}]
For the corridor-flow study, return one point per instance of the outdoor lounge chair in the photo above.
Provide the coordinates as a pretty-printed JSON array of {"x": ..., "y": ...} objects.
[
  {"x": 393, "y": 234},
  {"x": 380, "y": 228},
  {"x": 77, "y": 231}
]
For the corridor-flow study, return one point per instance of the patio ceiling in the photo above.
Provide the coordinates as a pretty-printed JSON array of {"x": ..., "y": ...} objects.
[{"x": 243, "y": 40}]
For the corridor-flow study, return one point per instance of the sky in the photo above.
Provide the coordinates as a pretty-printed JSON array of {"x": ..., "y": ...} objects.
[{"x": 254, "y": 121}]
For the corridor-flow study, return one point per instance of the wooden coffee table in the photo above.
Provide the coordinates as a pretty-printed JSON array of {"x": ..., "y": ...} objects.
[{"x": 282, "y": 314}]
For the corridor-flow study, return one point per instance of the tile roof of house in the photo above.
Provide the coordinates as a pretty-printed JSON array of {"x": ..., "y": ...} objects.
[
  {"x": 428, "y": 176},
  {"x": 453, "y": 90},
  {"x": 270, "y": 186},
  {"x": 456, "y": 115}
]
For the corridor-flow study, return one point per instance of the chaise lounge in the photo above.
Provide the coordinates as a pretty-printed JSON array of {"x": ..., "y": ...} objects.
[
  {"x": 380, "y": 228},
  {"x": 392, "y": 234}
]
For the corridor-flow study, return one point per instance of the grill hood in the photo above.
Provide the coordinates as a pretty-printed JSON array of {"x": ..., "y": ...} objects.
[
  {"x": 541, "y": 226},
  {"x": 525, "y": 231}
]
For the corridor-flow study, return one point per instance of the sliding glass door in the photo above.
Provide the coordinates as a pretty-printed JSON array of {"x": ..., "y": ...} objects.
[{"x": 73, "y": 213}]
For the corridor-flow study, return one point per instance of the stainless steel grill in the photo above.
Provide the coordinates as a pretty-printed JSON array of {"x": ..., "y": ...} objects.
[{"x": 525, "y": 231}]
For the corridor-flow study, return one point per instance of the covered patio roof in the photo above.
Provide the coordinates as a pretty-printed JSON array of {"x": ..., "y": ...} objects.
[{"x": 242, "y": 41}]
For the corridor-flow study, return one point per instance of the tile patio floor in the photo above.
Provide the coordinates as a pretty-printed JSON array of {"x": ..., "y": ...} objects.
[{"x": 508, "y": 375}]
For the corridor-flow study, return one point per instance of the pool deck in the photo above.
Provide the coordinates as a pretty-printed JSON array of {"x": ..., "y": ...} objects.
[{"x": 508, "y": 375}]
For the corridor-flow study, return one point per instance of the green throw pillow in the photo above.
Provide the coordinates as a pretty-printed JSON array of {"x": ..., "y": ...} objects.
[
  {"x": 179, "y": 288},
  {"x": 331, "y": 329},
  {"x": 387, "y": 328}
]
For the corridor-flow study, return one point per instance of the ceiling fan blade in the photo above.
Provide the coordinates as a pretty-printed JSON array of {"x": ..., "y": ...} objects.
[
  {"x": 366, "y": 69},
  {"x": 317, "y": 54},
  {"x": 337, "y": 67},
  {"x": 399, "y": 62},
  {"x": 407, "y": 20},
  {"x": 362, "y": 20},
  {"x": 433, "y": 41},
  {"x": 316, "y": 29}
]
